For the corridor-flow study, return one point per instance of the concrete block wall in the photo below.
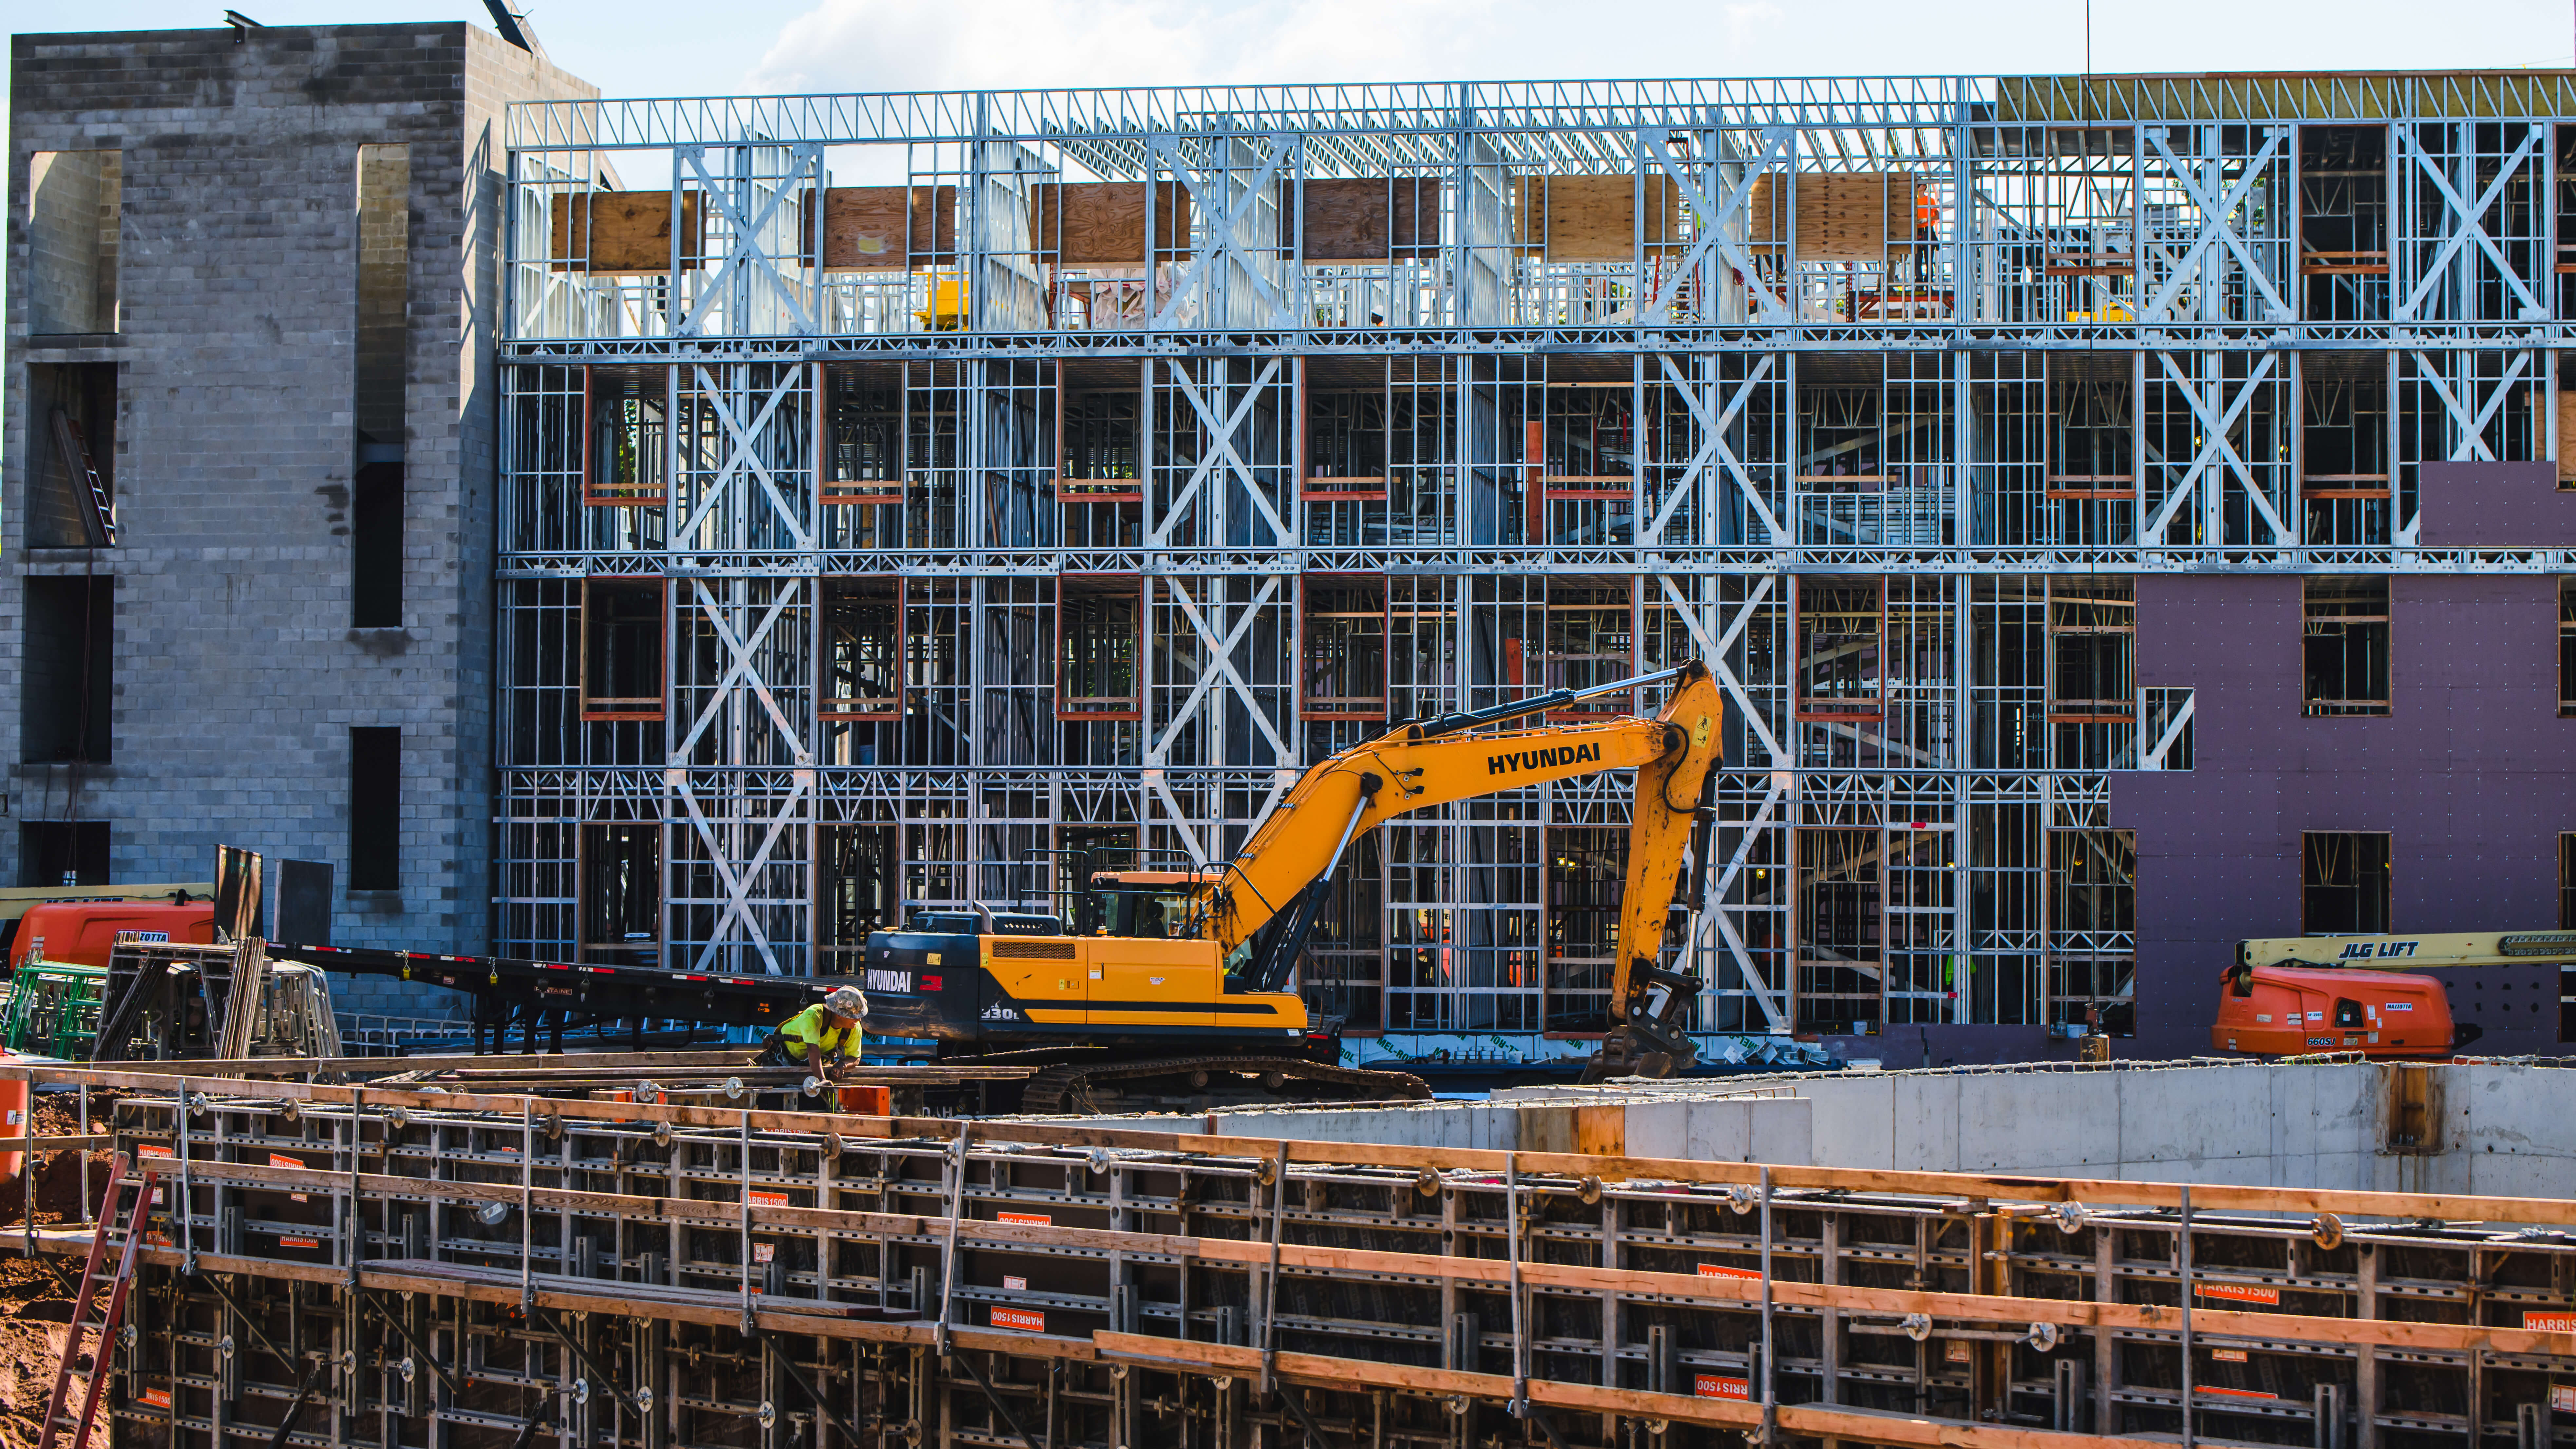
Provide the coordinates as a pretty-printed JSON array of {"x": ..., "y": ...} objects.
[{"x": 240, "y": 674}]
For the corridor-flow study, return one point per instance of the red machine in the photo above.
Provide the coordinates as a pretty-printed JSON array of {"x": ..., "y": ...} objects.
[
  {"x": 2295, "y": 994},
  {"x": 78, "y": 933},
  {"x": 2278, "y": 1011}
]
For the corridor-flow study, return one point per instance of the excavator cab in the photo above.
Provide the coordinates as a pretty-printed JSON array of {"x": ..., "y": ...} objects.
[{"x": 1154, "y": 905}]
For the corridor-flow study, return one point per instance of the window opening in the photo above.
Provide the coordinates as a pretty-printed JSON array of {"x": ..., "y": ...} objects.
[
  {"x": 2344, "y": 480},
  {"x": 2343, "y": 223},
  {"x": 621, "y": 893},
  {"x": 74, "y": 229},
  {"x": 1841, "y": 916},
  {"x": 1344, "y": 972},
  {"x": 863, "y": 649},
  {"x": 1586, "y": 880},
  {"x": 71, "y": 492},
  {"x": 1591, "y": 640},
  {"x": 1100, "y": 639},
  {"x": 626, "y": 462},
  {"x": 2344, "y": 883},
  {"x": 375, "y": 808},
  {"x": 2567, "y": 648},
  {"x": 855, "y": 880},
  {"x": 1099, "y": 493},
  {"x": 2093, "y": 632},
  {"x": 1343, "y": 648},
  {"x": 2092, "y": 930},
  {"x": 621, "y": 647},
  {"x": 67, "y": 678},
  {"x": 2346, "y": 643},
  {"x": 62, "y": 853},
  {"x": 1841, "y": 628}
]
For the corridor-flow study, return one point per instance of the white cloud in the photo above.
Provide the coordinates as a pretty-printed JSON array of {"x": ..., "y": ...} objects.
[
  {"x": 941, "y": 44},
  {"x": 860, "y": 45}
]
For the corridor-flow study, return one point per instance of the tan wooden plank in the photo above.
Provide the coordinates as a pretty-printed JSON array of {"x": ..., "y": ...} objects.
[
  {"x": 886, "y": 228},
  {"x": 1371, "y": 219},
  {"x": 624, "y": 232},
  {"x": 57, "y": 1144},
  {"x": 1842, "y": 216},
  {"x": 1102, "y": 223},
  {"x": 1593, "y": 218},
  {"x": 1335, "y": 1372}
]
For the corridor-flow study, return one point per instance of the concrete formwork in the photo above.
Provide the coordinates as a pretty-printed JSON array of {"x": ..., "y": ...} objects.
[{"x": 2487, "y": 1127}]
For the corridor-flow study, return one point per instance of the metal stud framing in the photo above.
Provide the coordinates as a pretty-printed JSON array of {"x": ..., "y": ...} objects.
[{"x": 1144, "y": 537}]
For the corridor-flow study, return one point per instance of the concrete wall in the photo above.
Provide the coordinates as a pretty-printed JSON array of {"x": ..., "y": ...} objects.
[
  {"x": 2502, "y": 1128},
  {"x": 239, "y": 673}
]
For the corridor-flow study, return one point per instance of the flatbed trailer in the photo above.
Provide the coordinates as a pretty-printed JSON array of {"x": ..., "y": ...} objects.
[{"x": 549, "y": 997}]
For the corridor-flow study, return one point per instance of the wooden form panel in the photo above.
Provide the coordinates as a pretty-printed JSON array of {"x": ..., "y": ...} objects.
[
  {"x": 1655, "y": 1280},
  {"x": 1102, "y": 223},
  {"x": 624, "y": 233},
  {"x": 1594, "y": 218},
  {"x": 1372, "y": 219},
  {"x": 1842, "y": 216},
  {"x": 884, "y": 228}
]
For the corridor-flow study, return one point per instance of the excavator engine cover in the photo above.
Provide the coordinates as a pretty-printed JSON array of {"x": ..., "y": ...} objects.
[{"x": 2288, "y": 1010}]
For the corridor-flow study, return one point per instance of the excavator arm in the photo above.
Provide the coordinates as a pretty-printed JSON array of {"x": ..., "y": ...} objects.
[
  {"x": 2408, "y": 953},
  {"x": 1268, "y": 896}
]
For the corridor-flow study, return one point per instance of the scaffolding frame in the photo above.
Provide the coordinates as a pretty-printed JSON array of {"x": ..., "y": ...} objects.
[{"x": 1179, "y": 437}]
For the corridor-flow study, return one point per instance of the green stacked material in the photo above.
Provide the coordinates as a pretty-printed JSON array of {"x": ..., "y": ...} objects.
[{"x": 53, "y": 1010}]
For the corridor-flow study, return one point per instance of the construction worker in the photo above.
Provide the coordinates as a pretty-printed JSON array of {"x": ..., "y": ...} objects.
[{"x": 822, "y": 1035}]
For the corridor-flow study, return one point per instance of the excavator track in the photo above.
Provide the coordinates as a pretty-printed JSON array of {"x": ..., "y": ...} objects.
[{"x": 1199, "y": 1083}]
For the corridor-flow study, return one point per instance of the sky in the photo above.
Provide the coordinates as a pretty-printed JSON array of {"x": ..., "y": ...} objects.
[{"x": 664, "y": 48}]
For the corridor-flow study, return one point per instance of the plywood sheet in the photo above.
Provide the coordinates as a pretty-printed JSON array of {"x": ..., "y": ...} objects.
[
  {"x": 1842, "y": 217},
  {"x": 1593, "y": 218},
  {"x": 1371, "y": 219},
  {"x": 1102, "y": 223},
  {"x": 624, "y": 232},
  {"x": 865, "y": 227}
]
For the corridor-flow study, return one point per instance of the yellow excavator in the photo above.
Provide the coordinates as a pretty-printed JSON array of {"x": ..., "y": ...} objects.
[{"x": 1166, "y": 988}]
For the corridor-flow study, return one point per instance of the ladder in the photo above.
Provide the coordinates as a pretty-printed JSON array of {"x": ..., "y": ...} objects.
[
  {"x": 73, "y": 444},
  {"x": 110, "y": 1315}
]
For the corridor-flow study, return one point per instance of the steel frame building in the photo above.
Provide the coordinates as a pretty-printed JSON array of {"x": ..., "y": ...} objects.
[{"x": 900, "y": 491}]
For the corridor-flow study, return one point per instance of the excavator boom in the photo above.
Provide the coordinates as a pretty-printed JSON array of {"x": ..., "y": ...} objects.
[
  {"x": 2409, "y": 953},
  {"x": 1267, "y": 898}
]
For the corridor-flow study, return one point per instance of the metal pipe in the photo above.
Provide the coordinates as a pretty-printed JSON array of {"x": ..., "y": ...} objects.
[{"x": 2187, "y": 1291}]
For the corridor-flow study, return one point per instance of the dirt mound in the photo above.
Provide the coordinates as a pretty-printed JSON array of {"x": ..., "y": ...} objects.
[
  {"x": 36, "y": 1294},
  {"x": 58, "y": 1174},
  {"x": 35, "y": 1305}
]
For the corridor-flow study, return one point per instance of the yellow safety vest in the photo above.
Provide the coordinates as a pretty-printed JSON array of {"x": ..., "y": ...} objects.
[{"x": 807, "y": 1030}]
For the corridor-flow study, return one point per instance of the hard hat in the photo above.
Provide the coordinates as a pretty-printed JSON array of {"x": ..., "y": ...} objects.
[{"x": 846, "y": 1001}]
